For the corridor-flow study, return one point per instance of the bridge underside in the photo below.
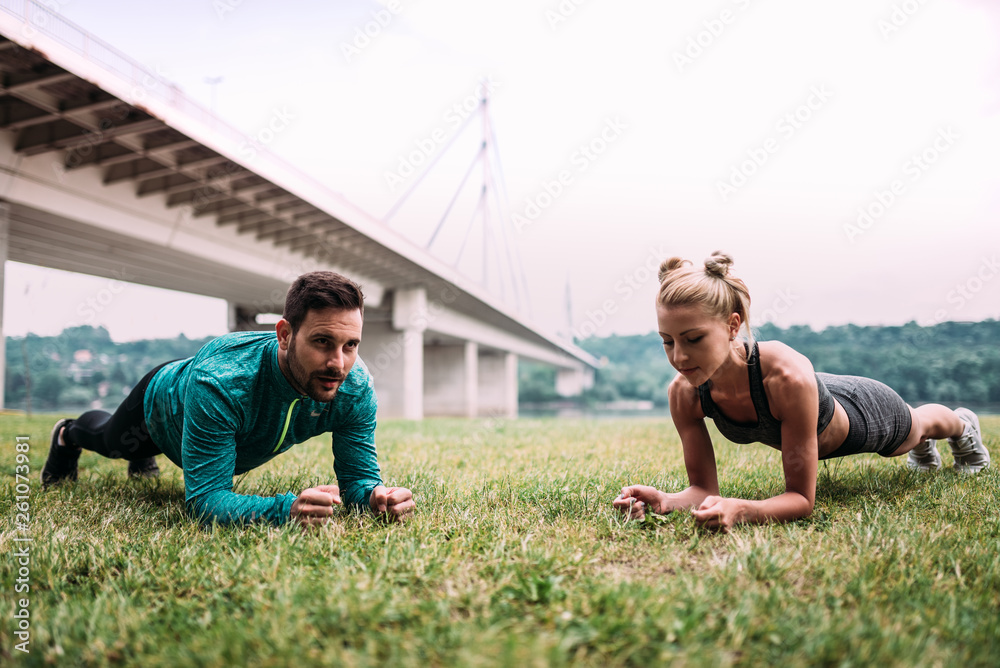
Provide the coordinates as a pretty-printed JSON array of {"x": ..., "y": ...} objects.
[{"x": 127, "y": 179}]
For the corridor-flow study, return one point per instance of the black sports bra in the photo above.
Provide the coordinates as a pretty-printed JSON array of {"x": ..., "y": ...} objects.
[{"x": 767, "y": 429}]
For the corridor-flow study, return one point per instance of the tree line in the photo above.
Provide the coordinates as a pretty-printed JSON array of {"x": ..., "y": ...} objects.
[
  {"x": 82, "y": 367},
  {"x": 948, "y": 363}
]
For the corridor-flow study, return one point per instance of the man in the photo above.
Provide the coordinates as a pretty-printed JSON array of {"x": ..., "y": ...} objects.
[{"x": 243, "y": 399}]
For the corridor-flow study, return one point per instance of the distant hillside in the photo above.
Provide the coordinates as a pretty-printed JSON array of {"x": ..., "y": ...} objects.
[
  {"x": 949, "y": 362},
  {"x": 83, "y": 367}
]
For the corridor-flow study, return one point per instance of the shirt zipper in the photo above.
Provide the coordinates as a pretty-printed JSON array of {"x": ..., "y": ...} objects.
[{"x": 288, "y": 419}]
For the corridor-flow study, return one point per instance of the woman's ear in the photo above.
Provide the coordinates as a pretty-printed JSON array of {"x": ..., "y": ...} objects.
[{"x": 734, "y": 325}]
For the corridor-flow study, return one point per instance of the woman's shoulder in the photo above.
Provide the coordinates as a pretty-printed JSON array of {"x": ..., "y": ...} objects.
[
  {"x": 684, "y": 398},
  {"x": 784, "y": 368}
]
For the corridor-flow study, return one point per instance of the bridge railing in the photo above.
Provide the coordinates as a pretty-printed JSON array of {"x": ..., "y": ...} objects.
[{"x": 43, "y": 17}]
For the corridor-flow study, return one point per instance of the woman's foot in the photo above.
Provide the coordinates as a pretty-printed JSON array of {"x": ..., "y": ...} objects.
[
  {"x": 971, "y": 456},
  {"x": 924, "y": 457}
]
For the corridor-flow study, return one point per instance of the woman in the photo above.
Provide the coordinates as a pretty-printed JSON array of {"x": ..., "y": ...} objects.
[{"x": 769, "y": 393}]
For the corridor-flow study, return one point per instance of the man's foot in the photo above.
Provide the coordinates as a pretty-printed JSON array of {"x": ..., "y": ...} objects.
[
  {"x": 62, "y": 461},
  {"x": 970, "y": 454},
  {"x": 143, "y": 468},
  {"x": 924, "y": 457}
]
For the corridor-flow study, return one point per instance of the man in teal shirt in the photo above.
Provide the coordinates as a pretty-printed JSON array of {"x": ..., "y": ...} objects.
[{"x": 243, "y": 399}]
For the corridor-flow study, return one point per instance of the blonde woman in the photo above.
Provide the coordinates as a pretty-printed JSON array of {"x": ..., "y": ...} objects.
[{"x": 767, "y": 392}]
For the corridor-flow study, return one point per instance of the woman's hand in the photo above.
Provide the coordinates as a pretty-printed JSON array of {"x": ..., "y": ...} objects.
[
  {"x": 636, "y": 499},
  {"x": 718, "y": 512}
]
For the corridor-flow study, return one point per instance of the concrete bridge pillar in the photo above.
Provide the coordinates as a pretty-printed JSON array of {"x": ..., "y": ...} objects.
[
  {"x": 409, "y": 316},
  {"x": 498, "y": 384},
  {"x": 572, "y": 382},
  {"x": 244, "y": 319},
  {"x": 451, "y": 379}
]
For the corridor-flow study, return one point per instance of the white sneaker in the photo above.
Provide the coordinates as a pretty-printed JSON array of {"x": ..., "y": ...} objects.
[
  {"x": 971, "y": 456},
  {"x": 924, "y": 457}
]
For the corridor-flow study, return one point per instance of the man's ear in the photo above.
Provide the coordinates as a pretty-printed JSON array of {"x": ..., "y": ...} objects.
[{"x": 284, "y": 331}]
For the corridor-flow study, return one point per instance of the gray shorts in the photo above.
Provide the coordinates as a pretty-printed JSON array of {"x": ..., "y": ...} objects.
[{"x": 879, "y": 418}]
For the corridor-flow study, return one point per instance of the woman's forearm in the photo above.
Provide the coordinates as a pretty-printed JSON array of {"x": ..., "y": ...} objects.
[
  {"x": 782, "y": 508},
  {"x": 689, "y": 498}
]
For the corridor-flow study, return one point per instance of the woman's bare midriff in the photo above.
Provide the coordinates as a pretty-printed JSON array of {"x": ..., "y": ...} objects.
[{"x": 836, "y": 432}]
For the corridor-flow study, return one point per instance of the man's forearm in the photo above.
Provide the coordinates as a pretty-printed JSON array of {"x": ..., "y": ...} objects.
[{"x": 226, "y": 507}]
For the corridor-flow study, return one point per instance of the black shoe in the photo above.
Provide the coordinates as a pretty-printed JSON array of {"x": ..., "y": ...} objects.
[
  {"x": 62, "y": 461},
  {"x": 144, "y": 468}
]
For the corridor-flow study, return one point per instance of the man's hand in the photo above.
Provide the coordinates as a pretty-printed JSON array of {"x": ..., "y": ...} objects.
[
  {"x": 314, "y": 506},
  {"x": 395, "y": 503},
  {"x": 717, "y": 512},
  {"x": 636, "y": 499}
]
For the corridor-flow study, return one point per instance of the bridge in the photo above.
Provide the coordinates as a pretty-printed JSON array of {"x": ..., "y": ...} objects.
[{"x": 107, "y": 169}]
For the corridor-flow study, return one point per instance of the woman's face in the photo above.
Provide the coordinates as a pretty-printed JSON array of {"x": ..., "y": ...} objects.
[{"x": 696, "y": 343}]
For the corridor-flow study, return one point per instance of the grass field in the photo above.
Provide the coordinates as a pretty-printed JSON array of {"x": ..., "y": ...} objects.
[{"x": 514, "y": 558}]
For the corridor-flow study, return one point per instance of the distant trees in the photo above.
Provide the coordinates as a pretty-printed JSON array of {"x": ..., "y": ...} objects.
[
  {"x": 50, "y": 387},
  {"x": 74, "y": 369},
  {"x": 949, "y": 362}
]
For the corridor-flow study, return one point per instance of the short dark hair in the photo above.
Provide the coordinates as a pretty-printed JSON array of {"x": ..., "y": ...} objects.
[{"x": 321, "y": 290}]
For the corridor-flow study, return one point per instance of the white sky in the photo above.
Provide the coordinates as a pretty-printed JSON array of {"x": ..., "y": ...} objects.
[{"x": 881, "y": 95}]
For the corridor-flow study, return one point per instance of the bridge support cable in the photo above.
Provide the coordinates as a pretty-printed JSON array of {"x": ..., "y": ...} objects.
[
  {"x": 505, "y": 262},
  {"x": 427, "y": 170},
  {"x": 458, "y": 192},
  {"x": 468, "y": 228},
  {"x": 505, "y": 208},
  {"x": 498, "y": 242}
]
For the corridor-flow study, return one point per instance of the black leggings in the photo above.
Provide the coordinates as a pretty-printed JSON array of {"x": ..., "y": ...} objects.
[{"x": 123, "y": 435}]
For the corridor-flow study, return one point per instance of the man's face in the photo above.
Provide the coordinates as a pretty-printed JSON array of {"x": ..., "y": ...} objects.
[{"x": 318, "y": 357}]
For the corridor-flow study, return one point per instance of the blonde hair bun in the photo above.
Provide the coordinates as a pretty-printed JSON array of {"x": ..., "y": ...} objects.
[
  {"x": 718, "y": 264},
  {"x": 713, "y": 288},
  {"x": 669, "y": 265}
]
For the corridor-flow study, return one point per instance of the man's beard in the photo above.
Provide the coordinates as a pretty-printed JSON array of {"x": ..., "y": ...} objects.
[{"x": 305, "y": 381}]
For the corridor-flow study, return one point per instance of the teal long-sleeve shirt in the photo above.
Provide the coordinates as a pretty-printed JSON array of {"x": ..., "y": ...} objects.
[{"x": 230, "y": 409}]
